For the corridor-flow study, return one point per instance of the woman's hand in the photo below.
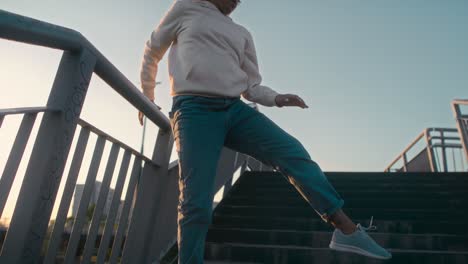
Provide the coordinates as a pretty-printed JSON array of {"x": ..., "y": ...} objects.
[
  {"x": 290, "y": 100},
  {"x": 140, "y": 117}
]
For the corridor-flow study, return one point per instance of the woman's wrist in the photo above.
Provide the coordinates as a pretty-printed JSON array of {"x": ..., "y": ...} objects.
[{"x": 277, "y": 99}]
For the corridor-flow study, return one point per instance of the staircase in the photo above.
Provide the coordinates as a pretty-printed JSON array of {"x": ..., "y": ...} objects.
[{"x": 421, "y": 218}]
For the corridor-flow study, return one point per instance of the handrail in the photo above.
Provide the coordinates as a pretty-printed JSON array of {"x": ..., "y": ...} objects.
[
  {"x": 442, "y": 129},
  {"x": 416, "y": 140},
  {"x": 462, "y": 123},
  {"x": 99, "y": 132},
  {"x": 25, "y": 110},
  {"x": 81, "y": 122},
  {"x": 28, "y": 30},
  {"x": 426, "y": 133},
  {"x": 447, "y": 145},
  {"x": 460, "y": 101}
]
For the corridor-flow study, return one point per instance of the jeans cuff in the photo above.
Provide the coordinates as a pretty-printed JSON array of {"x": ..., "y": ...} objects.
[{"x": 326, "y": 216}]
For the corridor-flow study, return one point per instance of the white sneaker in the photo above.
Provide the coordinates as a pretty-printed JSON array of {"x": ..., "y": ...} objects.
[{"x": 358, "y": 242}]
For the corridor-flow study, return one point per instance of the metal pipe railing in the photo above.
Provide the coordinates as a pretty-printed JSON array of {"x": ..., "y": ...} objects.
[
  {"x": 88, "y": 189},
  {"x": 79, "y": 61},
  {"x": 99, "y": 207},
  {"x": 113, "y": 210},
  {"x": 28, "y": 30},
  {"x": 430, "y": 145},
  {"x": 99, "y": 132},
  {"x": 24, "y": 131},
  {"x": 19, "y": 146},
  {"x": 60, "y": 220},
  {"x": 462, "y": 123},
  {"x": 429, "y": 139},
  {"x": 25, "y": 110},
  {"x": 128, "y": 201},
  {"x": 403, "y": 154}
]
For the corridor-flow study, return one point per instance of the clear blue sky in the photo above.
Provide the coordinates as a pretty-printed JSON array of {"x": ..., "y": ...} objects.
[{"x": 374, "y": 73}]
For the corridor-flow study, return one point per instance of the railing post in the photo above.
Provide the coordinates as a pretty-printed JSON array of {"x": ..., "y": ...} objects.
[
  {"x": 444, "y": 150},
  {"x": 119, "y": 235},
  {"x": 31, "y": 216},
  {"x": 14, "y": 159},
  {"x": 405, "y": 162},
  {"x": 150, "y": 189},
  {"x": 462, "y": 126},
  {"x": 61, "y": 218},
  {"x": 430, "y": 150}
]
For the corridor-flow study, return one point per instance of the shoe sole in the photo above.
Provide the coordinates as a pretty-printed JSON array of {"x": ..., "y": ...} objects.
[{"x": 353, "y": 249}]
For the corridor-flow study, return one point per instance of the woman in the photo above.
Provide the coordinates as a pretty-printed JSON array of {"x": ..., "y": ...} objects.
[{"x": 212, "y": 62}]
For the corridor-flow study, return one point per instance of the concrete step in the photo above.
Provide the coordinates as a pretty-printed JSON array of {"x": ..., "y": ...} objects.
[
  {"x": 227, "y": 262},
  {"x": 356, "y": 213},
  {"x": 353, "y": 184},
  {"x": 373, "y": 173},
  {"x": 358, "y": 194},
  {"x": 364, "y": 176},
  {"x": 321, "y": 239},
  {"x": 286, "y": 189},
  {"x": 371, "y": 176},
  {"x": 351, "y": 202},
  {"x": 305, "y": 255},
  {"x": 420, "y": 217},
  {"x": 308, "y": 224}
]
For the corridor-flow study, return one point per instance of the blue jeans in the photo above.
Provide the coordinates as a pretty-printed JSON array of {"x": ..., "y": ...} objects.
[{"x": 201, "y": 127}]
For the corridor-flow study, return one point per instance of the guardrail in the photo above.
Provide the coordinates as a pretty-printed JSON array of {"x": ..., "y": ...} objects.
[
  {"x": 428, "y": 159},
  {"x": 462, "y": 123},
  {"x": 149, "y": 209}
]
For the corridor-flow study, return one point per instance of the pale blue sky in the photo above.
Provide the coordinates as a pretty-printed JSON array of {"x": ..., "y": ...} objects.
[{"x": 374, "y": 73}]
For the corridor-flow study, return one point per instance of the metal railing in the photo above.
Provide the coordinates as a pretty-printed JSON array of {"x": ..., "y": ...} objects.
[
  {"x": 433, "y": 156},
  {"x": 147, "y": 223},
  {"x": 462, "y": 123}
]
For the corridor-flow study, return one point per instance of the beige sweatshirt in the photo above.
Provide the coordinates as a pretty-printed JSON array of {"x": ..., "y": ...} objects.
[{"x": 210, "y": 55}]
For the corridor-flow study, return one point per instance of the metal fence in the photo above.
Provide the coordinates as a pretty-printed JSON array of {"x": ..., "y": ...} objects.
[
  {"x": 146, "y": 226},
  {"x": 439, "y": 151},
  {"x": 444, "y": 149},
  {"x": 462, "y": 123}
]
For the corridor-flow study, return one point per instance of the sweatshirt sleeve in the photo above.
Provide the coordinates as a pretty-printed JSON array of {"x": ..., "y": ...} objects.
[
  {"x": 256, "y": 92},
  {"x": 155, "y": 48}
]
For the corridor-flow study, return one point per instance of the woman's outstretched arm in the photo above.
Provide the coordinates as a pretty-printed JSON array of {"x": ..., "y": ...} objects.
[
  {"x": 256, "y": 92},
  {"x": 259, "y": 93}
]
